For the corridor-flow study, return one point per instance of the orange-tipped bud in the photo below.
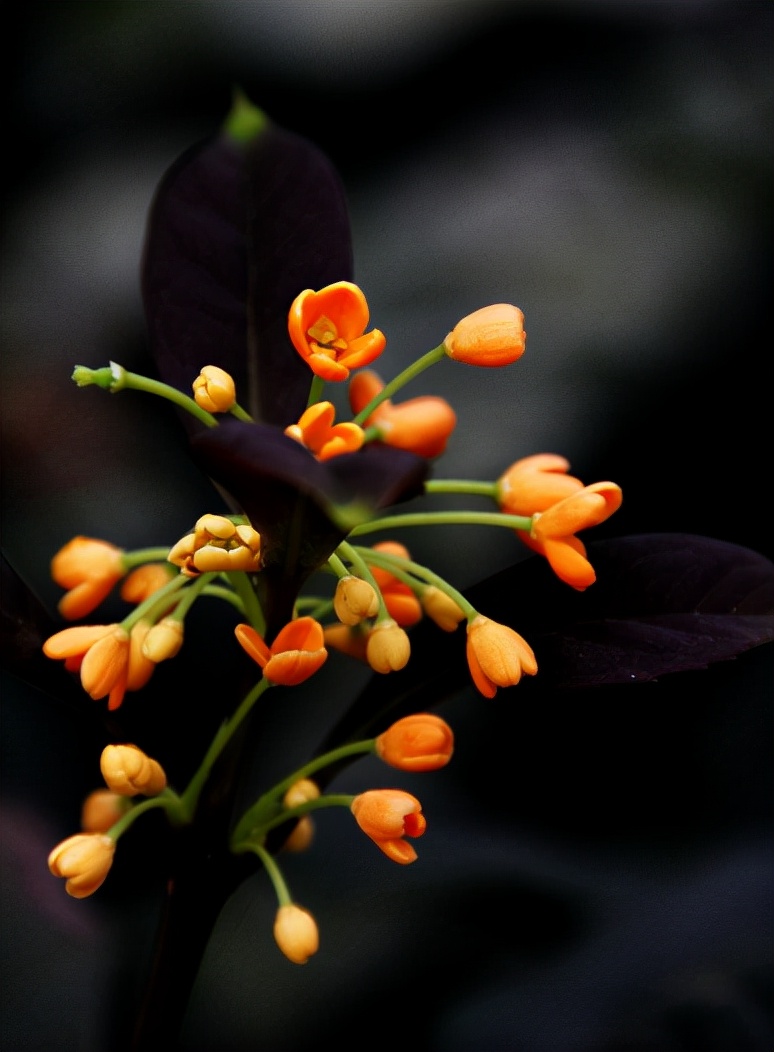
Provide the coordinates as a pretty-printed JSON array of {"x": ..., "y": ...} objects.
[
  {"x": 534, "y": 483},
  {"x": 422, "y": 742},
  {"x": 89, "y": 568},
  {"x": 316, "y": 430},
  {"x": 441, "y": 608},
  {"x": 387, "y": 647},
  {"x": 489, "y": 337},
  {"x": 214, "y": 390},
  {"x": 101, "y": 809},
  {"x": 497, "y": 656},
  {"x": 420, "y": 425},
  {"x": 296, "y": 934},
  {"x": 84, "y": 860},
  {"x": 297, "y": 652},
  {"x": 128, "y": 771},
  {"x": 355, "y": 599},
  {"x": 145, "y": 581},
  {"x": 327, "y": 328},
  {"x": 163, "y": 640},
  {"x": 386, "y": 816}
]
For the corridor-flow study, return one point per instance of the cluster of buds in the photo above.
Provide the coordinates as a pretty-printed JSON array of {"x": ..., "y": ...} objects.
[{"x": 377, "y": 594}]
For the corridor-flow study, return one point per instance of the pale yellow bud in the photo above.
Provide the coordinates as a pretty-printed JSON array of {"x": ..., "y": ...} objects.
[
  {"x": 300, "y": 792},
  {"x": 163, "y": 640},
  {"x": 354, "y": 600},
  {"x": 296, "y": 934},
  {"x": 102, "y": 809},
  {"x": 84, "y": 860},
  {"x": 214, "y": 390},
  {"x": 302, "y": 836},
  {"x": 128, "y": 771},
  {"x": 388, "y": 648},
  {"x": 441, "y": 608}
]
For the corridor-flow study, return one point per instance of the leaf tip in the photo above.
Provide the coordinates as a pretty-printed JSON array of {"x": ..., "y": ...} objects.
[{"x": 245, "y": 121}]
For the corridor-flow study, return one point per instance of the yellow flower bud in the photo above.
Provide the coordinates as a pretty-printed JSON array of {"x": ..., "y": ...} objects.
[
  {"x": 302, "y": 836},
  {"x": 214, "y": 390},
  {"x": 128, "y": 771},
  {"x": 388, "y": 648},
  {"x": 441, "y": 608},
  {"x": 84, "y": 860},
  {"x": 300, "y": 792},
  {"x": 102, "y": 809},
  {"x": 355, "y": 599},
  {"x": 163, "y": 640},
  {"x": 296, "y": 934}
]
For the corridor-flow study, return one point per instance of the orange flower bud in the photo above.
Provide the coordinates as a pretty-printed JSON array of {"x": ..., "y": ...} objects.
[
  {"x": 327, "y": 328},
  {"x": 100, "y": 652},
  {"x": 399, "y": 598},
  {"x": 302, "y": 835},
  {"x": 316, "y": 430},
  {"x": 214, "y": 390},
  {"x": 163, "y": 640},
  {"x": 101, "y": 809},
  {"x": 386, "y": 816},
  {"x": 350, "y": 641},
  {"x": 420, "y": 425},
  {"x": 422, "y": 742},
  {"x": 84, "y": 860},
  {"x": 128, "y": 771},
  {"x": 497, "y": 656},
  {"x": 387, "y": 647},
  {"x": 144, "y": 581},
  {"x": 140, "y": 667},
  {"x": 488, "y": 337},
  {"x": 441, "y": 608},
  {"x": 297, "y": 652},
  {"x": 355, "y": 599},
  {"x": 535, "y": 483},
  {"x": 89, "y": 569},
  {"x": 296, "y": 934}
]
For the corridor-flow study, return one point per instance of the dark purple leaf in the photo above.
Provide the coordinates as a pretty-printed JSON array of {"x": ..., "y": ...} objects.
[
  {"x": 303, "y": 508},
  {"x": 235, "y": 232},
  {"x": 662, "y": 603}
]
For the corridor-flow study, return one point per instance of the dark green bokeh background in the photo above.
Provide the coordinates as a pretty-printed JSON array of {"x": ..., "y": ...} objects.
[{"x": 596, "y": 875}]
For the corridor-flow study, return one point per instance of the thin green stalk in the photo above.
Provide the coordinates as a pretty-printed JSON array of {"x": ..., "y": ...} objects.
[
  {"x": 482, "y": 489},
  {"x": 444, "y": 518},
  {"x": 408, "y": 374},
  {"x": 115, "y": 378}
]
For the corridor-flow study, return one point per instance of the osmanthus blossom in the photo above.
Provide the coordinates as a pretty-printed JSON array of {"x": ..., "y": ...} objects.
[{"x": 251, "y": 308}]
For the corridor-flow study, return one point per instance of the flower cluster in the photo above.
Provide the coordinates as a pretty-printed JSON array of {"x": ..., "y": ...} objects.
[{"x": 293, "y": 565}]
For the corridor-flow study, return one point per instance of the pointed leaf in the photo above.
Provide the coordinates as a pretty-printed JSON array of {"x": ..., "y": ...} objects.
[
  {"x": 240, "y": 224},
  {"x": 662, "y": 603}
]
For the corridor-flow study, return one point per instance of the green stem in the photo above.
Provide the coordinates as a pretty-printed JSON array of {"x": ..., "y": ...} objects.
[
  {"x": 408, "y": 374},
  {"x": 316, "y": 390},
  {"x": 483, "y": 489},
  {"x": 158, "y": 601},
  {"x": 167, "y": 799},
  {"x": 445, "y": 518},
  {"x": 273, "y": 871},
  {"x": 250, "y": 603},
  {"x": 144, "y": 555},
  {"x": 223, "y": 735},
  {"x": 240, "y": 413},
  {"x": 219, "y": 591},
  {"x": 258, "y": 832},
  {"x": 248, "y": 819},
  {"x": 363, "y": 569},
  {"x": 115, "y": 378},
  {"x": 396, "y": 565}
]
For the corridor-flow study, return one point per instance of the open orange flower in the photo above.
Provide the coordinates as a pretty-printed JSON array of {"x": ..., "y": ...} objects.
[
  {"x": 422, "y": 742},
  {"x": 296, "y": 654},
  {"x": 420, "y": 425},
  {"x": 497, "y": 656},
  {"x": 327, "y": 328},
  {"x": 553, "y": 531},
  {"x": 387, "y": 815},
  {"x": 535, "y": 483},
  {"x": 316, "y": 430},
  {"x": 89, "y": 568},
  {"x": 489, "y": 337}
]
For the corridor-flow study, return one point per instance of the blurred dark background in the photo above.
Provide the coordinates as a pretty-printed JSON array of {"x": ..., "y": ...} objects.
[{"x": 597, "y": 872}]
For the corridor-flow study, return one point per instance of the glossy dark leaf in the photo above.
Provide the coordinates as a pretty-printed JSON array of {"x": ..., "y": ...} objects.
[
  {"x": 235, "y": 232},
  {"x": 303, "y": 508},
  {"x": 662, "y": 603}
]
